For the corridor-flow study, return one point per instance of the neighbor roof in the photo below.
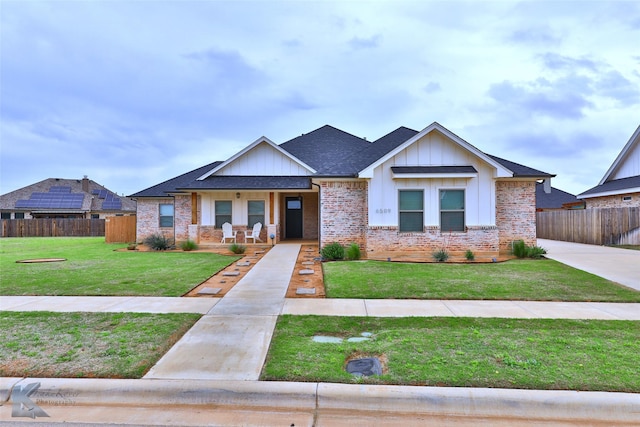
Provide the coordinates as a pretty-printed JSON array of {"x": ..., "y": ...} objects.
[
  {"x": 553, "y": 200},
  {"x": 617, "y": 186}
]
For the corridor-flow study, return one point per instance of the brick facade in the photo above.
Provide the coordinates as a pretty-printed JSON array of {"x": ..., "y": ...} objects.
[
  {"x": 613, "y": 201},
  {"x": 386, "y": 239},
  {"x": 516, "y": 212},
  {"x": 148, "y": 218},
  {"x": 343, "y": 212}
]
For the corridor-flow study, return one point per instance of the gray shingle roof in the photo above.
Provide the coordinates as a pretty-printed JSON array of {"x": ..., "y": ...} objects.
[
  {"x": 171, "y": 185},
  {"x": 553, "y": 200},
  {"x": 521, "y": 170},
  {"x": 615, "y": 185},
  {"x": 330, "y": 151},
  {"x": 214, "y": 182}
]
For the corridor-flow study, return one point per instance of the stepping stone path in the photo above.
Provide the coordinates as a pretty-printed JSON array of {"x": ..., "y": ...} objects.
[
  {"x": 243, "y": 264},
  {"x": 306, "y": 291},
  {"x": 308, "y": 263},
  {"x": 209, "y": 291},
  {"x": 305, "y": 272}
]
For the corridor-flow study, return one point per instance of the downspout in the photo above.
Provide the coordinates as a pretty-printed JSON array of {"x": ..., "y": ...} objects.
[
  {"x": 174, "y": 219},
  {"x": 319, "y": 214}
]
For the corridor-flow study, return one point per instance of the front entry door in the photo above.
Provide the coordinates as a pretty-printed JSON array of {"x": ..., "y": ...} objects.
[{"x": 293, "y": 218}]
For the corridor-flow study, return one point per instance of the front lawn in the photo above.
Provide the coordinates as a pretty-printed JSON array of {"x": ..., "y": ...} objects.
[
  {"x": 542, "y": 354},
  {"x": 93, "y": 267},
  {"x": 536, "y": 280},
  {"x": 100, "y": 345}
]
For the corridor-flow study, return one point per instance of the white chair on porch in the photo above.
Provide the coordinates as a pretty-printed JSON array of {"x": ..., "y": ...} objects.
[
  {"x": 253, "y": 234},
  {"x": 228, "y": 233}
]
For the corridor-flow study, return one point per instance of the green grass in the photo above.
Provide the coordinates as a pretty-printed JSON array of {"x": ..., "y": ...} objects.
[
  {"x": 544, "y": 280},
  {"x": 96, "y": 268},
  {"x": 100, "y": 345},
  {"x": 540, "y": 354}
]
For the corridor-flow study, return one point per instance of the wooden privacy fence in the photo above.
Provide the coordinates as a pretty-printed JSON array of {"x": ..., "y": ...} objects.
[
  {"x": 602, "y": 226},
  {"x": 52, "y": 227},
  {"x": 120, "y": 229}
]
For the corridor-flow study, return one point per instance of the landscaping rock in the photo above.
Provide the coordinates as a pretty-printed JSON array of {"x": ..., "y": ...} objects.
[
  {"x": 305, "y": 291},
  {"x": 305, "y": 272},
  {"x": 209, "y": 291}
]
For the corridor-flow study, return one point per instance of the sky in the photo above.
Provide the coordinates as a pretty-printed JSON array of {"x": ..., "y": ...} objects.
[{"x": 132, "y": 93}]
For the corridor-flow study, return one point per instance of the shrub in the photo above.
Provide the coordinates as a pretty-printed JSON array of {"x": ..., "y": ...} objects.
[
  {"x": 519, "y": 249},
  {"x": 469, "y": 255},
  {"x": 522, "y": 250},
  {"x": 189, "y": 245},
  {"x": 333, "y": 251},
  {"x": 536, "y": 252},
  {"x": 353, "y": 252},
  {"x": 237, "y": 249},
  {"x": 158, "y": 242},
  {"x": 441, "y": 255}
]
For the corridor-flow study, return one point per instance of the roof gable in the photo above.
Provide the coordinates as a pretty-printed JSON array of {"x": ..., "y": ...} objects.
[
  {"x": 262, "y": 157},
  {"x": 501, "y": 170},
  {"x": 627, "y": 164}
]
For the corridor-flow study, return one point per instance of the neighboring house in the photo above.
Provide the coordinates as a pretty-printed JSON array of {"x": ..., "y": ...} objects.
[
  {"x": 620, "y": 186},
  {"x": 408, "y": 190},
  {"x": 555, "y": 199},
  {"x": 64, "y": 198}
]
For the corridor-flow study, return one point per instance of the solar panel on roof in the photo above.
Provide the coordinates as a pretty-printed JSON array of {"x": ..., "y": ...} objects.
[
  {"x": 95, "y": 192},
  {"x": 52, "y": 200},
  {"x": 60, "y": 189},
  {"x": 103, "y": 194}
]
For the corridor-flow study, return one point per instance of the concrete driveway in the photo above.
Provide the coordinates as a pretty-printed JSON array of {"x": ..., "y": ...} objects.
[{"x": 618, "y": 265}]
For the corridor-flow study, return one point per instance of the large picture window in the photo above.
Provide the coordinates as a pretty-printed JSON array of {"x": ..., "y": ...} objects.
[
  {"x": 451, "y": 210},
  {"x": 411, "y": 209},
  {"x": 256, "y": 212},
  {"x": 166, "y": 215},
  {"x": 223, "y": 212}
]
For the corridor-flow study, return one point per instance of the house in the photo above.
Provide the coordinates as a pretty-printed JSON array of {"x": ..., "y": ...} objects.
[
  {"x": 555, "y": 199},
  {"x": 408, "y": 190},
  {"x": 64, "y": 198},
  {"x": 620, "y": 186}
]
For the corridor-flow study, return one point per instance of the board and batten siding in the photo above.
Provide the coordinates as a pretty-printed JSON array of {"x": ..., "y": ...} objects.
[
  {"x": 433, "y": 150},
  {"x": 239, "y": 206},
  {"x": 264, "y": 160},
  {"x": 631, "y": 165}
]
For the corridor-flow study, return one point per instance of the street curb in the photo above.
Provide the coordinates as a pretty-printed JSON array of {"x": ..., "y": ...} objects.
[{"x": 318, "y": 402}]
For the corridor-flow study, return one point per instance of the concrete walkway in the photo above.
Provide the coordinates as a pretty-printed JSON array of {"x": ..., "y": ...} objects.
[
  {"x": 230, "y": 342},
  {"x": 618, "y": 265}
]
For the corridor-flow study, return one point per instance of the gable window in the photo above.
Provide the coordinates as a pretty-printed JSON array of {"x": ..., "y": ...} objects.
[
  {"x": 166, "y": 215},
  {"x": 223, "y": 212},
  {"x": 256, "y": 212},
  {"x": 411, "y": 209},
  {"x": 451, "y": 210}
]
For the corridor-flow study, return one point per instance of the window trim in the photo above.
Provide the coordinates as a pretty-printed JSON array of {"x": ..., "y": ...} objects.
[
  {"x": 463, "y": 210},
  {"x": 401, "y": 211},
  {"x": 160, "y": 216}
]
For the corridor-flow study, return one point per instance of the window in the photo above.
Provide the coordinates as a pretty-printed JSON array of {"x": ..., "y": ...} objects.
[
  {"x": 626, "y": 198},
  {"x": 256, "y": 212},
  {"x": 95, "y": 216},
  {"x": 166, "y": 215},
  {"x": 19, "y": 215},
  {"x": 451, "y": 210},
  {"x": 5, "y": 215},
  {"x": 411, "y": 208},
  {"x": 223, "y": 212}
]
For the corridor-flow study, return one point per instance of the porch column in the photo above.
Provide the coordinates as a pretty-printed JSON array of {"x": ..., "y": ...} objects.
[
  {"x": 194, "y": 208},
  {"x": 271, "y": 208}
]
